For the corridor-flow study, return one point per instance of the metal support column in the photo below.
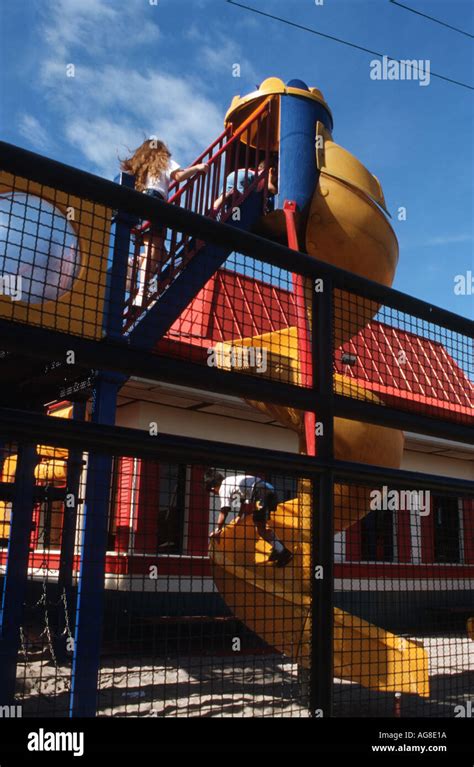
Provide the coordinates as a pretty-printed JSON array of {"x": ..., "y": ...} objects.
[
  {"x": 322, "y": 581},
  {"x": 65, "y": 591},
  {"x": 16, "y": 576},
  {"x": 91, "y": 584},
  {"x": 117, "y": 275}
]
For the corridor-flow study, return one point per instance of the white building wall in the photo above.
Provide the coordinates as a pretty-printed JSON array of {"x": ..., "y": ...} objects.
[
  {"x": 240, "y": 431},
  {"x": 192, "y": 423},
  {"x": 438, "y": 465}
]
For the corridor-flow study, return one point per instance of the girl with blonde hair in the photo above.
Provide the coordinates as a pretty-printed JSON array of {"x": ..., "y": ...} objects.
[{"x": 154, "y": 171}]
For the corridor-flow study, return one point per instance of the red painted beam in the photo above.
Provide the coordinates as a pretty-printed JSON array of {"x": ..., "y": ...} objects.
[{"x": 304, "y": 332}]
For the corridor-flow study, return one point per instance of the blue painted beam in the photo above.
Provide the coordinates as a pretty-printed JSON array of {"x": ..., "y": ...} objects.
[
  {"x": 169, "y": 306},
  {"x": 298, "y": 170},
  {"x": 117, "y": 274},
  {"x": 66, "y": 559},
  {"x": 16, "y": 576},
  {"x": 91, "y": 583}
]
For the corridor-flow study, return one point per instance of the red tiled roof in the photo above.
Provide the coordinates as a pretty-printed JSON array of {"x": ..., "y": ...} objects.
[
  {"x": 398, "y": 364},
  {"x": 394, "y": 363},
  {"x": 233, "y": 305}
]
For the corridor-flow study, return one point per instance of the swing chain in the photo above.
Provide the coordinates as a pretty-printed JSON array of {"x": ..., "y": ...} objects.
[
  {"x": 67, "y": 629},
  {"x": 47, "y": 629}
]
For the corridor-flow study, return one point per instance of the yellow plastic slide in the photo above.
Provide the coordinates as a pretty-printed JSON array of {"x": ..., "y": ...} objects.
[{"x": 275, "y": 602}]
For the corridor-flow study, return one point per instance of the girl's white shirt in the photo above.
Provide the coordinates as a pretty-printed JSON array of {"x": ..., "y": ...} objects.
[{"x": 162, "y": 182}]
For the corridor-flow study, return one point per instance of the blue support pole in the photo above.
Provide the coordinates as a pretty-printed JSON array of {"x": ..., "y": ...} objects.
[
  {"x": 16, "y": 576},
  {"x": 117, "y": 275},
  {"x": 91, "y": 583},
  {"x": 66, "y": 561},
  {"x": 298, "y": 170},
  {"x": 299, "y": 175}
]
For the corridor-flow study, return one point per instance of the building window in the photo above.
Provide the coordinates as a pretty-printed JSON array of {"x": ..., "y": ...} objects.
[
  {"x": 446, "y": 530},
  {"x": 285, "y": 487},
  {"x": 171, "y": 507},
  {"x": 377, "y": 536},
  {"x": 148, "y": 507}
]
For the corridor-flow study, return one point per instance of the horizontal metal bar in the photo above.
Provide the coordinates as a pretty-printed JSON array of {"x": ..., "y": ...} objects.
[
  {"x": 41, "y": 493},
  {"x": 21, "y": 425},
  {"x": 43, "y": 343},
  {"x": 79, "y": 183},
  {"x": 358, "y": 410},
  {"x": 410, "y": 480},
  {"x": 118, "y": 356}
]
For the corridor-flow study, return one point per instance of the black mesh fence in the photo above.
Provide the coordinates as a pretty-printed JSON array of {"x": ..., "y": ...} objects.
[
  {"x": 200, "y": 616},
  {"x": 125, "y": 592},
  {"x": 38, "y": 605},
  {"x": 403, "y": 600},
  {"x": 407, "y": 361},
  {"x": 207, "y": 626},
  {"x": 54, "y": 250},
  {"x": 211, "y": 614}
]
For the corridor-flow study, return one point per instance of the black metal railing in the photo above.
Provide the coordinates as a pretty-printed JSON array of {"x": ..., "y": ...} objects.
[{"x": 334, "y": 500}]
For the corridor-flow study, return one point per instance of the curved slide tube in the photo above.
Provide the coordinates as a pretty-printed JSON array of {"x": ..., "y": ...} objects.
[{"x": 275, "y": 602}]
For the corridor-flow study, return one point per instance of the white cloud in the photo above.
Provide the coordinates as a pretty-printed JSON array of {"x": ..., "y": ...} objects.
[
  {"x": 101, "y": 141},
  {"x": 92, "y": 25},
  {"x": 102, "y": 118},
  {"x": 34, "y": 133},
  {"x": 219, "y": 52},
  {"x": 450, "y": 239},
  {"x": 109, "y": 106}
]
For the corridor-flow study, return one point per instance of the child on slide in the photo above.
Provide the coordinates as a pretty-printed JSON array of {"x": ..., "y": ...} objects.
[
  {"x": 250, "y": 495},
  {"x": 154, "y": 170}
]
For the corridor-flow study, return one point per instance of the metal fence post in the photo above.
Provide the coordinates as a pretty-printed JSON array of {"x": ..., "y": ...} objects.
[
  {"x": 91, "y": 583},
  {"x": 68, "y": 542},
  {"x": 16, "y": 576},
  {"x": 322, "y": 549},
  {"x": 117, "y": 276}
]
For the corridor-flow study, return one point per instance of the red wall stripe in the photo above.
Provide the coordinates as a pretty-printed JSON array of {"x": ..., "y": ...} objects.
[
  {"x": 468, "y": 518},
  {"x": 198, "y": 527},
  {"x": 146, "y": 523},
  {"x": 123, "y": 503}
]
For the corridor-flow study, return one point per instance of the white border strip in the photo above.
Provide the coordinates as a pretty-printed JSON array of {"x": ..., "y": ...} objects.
[{"x": 404, "y": 584}]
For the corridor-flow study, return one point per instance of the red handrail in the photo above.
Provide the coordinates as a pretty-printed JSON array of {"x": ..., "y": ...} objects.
[
  {"x": 201, "y": 157},
  {"x": 238, "y": 133},
  {"x": 199, "y": 194}
]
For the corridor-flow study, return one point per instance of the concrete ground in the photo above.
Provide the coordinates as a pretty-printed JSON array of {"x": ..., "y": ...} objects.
[{"x": 250, "y": 685}]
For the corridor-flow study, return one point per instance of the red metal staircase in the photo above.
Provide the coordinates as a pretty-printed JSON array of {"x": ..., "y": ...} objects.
[{"x": 187, "y": 263}]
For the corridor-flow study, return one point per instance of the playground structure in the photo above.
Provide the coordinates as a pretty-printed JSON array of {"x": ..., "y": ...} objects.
[
  {"x": 328, "y": 207},
  {"x": 342, "y": 221}
]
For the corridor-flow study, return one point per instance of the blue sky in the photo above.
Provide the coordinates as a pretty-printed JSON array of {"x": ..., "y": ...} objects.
[{"x": 166, "y": 69}]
